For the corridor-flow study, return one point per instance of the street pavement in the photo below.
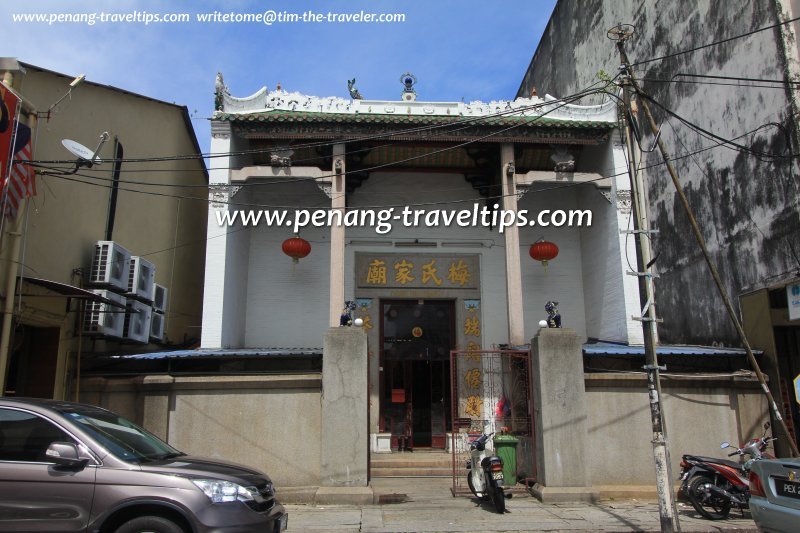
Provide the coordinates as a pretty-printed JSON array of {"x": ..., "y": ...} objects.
[{"x": 429, "y": 506}]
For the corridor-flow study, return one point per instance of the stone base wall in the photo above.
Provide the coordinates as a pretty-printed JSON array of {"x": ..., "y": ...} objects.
[
  {"x": 271, "y": 423},
  {"x": 274, "y": 423},
  {"x": 701, "y": 412}
]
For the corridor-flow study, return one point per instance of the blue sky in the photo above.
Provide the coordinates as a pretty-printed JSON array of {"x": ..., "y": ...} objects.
[{"x": 469, "y": 49}]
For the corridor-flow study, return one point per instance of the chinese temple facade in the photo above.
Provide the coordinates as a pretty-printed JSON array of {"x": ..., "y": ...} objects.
[{"x": 425, "y": 251}]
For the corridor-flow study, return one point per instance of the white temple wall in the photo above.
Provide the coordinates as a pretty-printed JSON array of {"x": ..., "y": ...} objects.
[
  {"x": 286, "y": 303},
  {"x": 562, "y": 280},
  {"x": 226, "y": 252},
  {"x": 283, "y": 304}
]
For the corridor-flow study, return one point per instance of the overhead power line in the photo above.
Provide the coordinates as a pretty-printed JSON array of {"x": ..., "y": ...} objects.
[
  {"x": 715, "y": 43},
  {"x": 560, "y": 104},
  {"x": 493, "y": 197},
  {"x": 373, "y": 168},
  {"x": 71, "y": 177},
  {"x": 433, "y": 138},
  {"x": 709, "y": 134},
  {"x": 752, "y": 82},
  {"x": 365, "y": 138}
]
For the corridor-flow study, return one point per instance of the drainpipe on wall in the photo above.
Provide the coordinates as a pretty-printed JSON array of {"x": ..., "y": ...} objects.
[{"x": 8, "y": 304}]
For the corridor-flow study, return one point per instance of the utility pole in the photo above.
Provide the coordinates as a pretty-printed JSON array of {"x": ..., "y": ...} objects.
[
  {"x": 666, "y": 499},
  {"x": 706, "y": 254}
]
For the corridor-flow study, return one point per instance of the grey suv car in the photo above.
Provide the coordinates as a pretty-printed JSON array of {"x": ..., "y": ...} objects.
[{"x": 72, "y": 467}]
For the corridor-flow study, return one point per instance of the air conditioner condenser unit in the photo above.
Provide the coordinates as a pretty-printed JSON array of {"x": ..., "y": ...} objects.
[
  {"x": 137, "y": 322},
  {"x": 110, "y": 266},
  {"x": 157, "y": 327},
  {"x": 141, "y": 279},
  {"x": 103, "y": 319},
  {"x": 160, "y": 298}
]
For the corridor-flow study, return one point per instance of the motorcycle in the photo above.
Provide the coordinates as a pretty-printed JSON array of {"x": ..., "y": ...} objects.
[
  {"x": 485, "y": 473},
  {"x": 714, "y": 485}
]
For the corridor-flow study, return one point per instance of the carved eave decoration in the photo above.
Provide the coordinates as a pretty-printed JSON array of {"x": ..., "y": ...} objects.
[
  {"x": 518, "y": 134},
  {"x": 288, "y": 116}
]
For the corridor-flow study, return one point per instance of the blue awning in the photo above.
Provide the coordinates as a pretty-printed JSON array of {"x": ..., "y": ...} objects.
[
  {"x": 611, "y": 349},
  {"x": 221, "y": 353}
]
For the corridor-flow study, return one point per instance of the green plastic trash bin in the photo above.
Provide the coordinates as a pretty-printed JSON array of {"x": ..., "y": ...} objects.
[{"x": 505, "y": 446}]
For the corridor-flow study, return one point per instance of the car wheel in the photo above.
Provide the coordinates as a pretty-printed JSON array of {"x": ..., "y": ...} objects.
[{"x": 150, "y": 524}]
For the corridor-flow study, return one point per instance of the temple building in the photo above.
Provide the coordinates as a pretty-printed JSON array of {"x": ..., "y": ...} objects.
[
  {"x": 422, "y": 286},
  {"x": 384, "y": 276}
]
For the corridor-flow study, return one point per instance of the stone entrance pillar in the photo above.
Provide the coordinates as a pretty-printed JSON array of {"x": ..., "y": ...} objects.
[
  {"x": 345, "y": 433},
  {"x": 337, "y": 236},
  {"x": 516, "y": 321},
  {"x": 562, "y": 474}
]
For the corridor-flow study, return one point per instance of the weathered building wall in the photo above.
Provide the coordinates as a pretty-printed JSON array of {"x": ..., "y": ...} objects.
[
  {"x": 746, "y": 201},
  {"x": 60, "y": 225},
  {"x": 66, "y": 217}
]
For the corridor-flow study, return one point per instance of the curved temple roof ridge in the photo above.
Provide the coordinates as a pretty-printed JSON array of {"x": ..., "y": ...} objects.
[{"x": 279, "y": 100}]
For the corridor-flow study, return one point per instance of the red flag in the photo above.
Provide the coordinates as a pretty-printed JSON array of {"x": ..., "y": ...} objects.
[
  {"x": 17, "y": 177},
  {"x": 9, "y": 104}
]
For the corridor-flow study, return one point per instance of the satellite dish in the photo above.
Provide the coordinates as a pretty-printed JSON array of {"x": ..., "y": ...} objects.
[
  {"x": 85, "y": 156},
  {"x": 79, "y": 150}
]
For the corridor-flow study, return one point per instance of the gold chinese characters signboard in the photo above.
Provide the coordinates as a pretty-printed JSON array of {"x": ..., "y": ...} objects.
[{"x": 417, "y": 271}]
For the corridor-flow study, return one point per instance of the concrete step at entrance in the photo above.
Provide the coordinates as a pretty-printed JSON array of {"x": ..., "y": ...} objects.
[{"x": 423, "y": 463}]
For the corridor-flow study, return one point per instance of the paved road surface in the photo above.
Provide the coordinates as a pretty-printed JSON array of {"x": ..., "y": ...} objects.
[{"x": 430, "y": 507}]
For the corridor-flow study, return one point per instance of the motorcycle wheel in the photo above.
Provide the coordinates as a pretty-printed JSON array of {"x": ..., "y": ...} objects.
[
  {"x": 499, "y": 499},
  {"x": 472, "y": 488},
  {"x": 709, "y": 505}
]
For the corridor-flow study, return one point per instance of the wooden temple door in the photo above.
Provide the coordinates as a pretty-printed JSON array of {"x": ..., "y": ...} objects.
[{"x": 417, "y": 336}]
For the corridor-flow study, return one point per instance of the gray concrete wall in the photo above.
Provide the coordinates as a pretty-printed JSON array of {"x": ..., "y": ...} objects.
[
  {"x": 700, "y": 411},
  {"x": 268, "y": 422},
  {"x": 747, "y": 206},
  {"x": 274, "y": 422}
]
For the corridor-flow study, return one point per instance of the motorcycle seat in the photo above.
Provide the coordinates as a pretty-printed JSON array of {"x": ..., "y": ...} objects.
[{"x": 716, "y": 460}]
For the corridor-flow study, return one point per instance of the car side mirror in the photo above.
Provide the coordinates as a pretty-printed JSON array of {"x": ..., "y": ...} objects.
[
  {"x": 725, "y": 444},
  {"x": 65, "y": 454}
]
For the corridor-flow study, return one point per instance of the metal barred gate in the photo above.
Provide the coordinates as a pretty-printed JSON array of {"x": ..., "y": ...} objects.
[{"x": 491, "y": 391}]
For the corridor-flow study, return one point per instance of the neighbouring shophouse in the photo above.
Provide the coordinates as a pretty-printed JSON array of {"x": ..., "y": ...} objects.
[
  {"x": 67, "y": 299},
  {"x": 446, "y": 309},
  {"x": 743, "y": 183}
]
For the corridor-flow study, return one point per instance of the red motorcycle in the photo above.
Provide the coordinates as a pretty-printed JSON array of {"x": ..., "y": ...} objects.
[{"x": 714, "y": 485}]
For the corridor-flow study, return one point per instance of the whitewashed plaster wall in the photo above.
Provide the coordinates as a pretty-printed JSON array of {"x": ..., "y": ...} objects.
[
  {"x": 608, "y": 317},
  {"x": 562, "y": 281},
  {"x": 226, "y": 251},
  {"x": 285, "y": 304}
]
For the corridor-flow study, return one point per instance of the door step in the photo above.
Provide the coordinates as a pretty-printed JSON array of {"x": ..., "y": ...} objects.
[{"x": 412, "y": 464}]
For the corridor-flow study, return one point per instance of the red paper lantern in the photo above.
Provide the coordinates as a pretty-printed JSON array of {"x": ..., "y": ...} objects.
[
  {"x": 544, "y": 251},
  {"x": 296, "y": 248}
]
